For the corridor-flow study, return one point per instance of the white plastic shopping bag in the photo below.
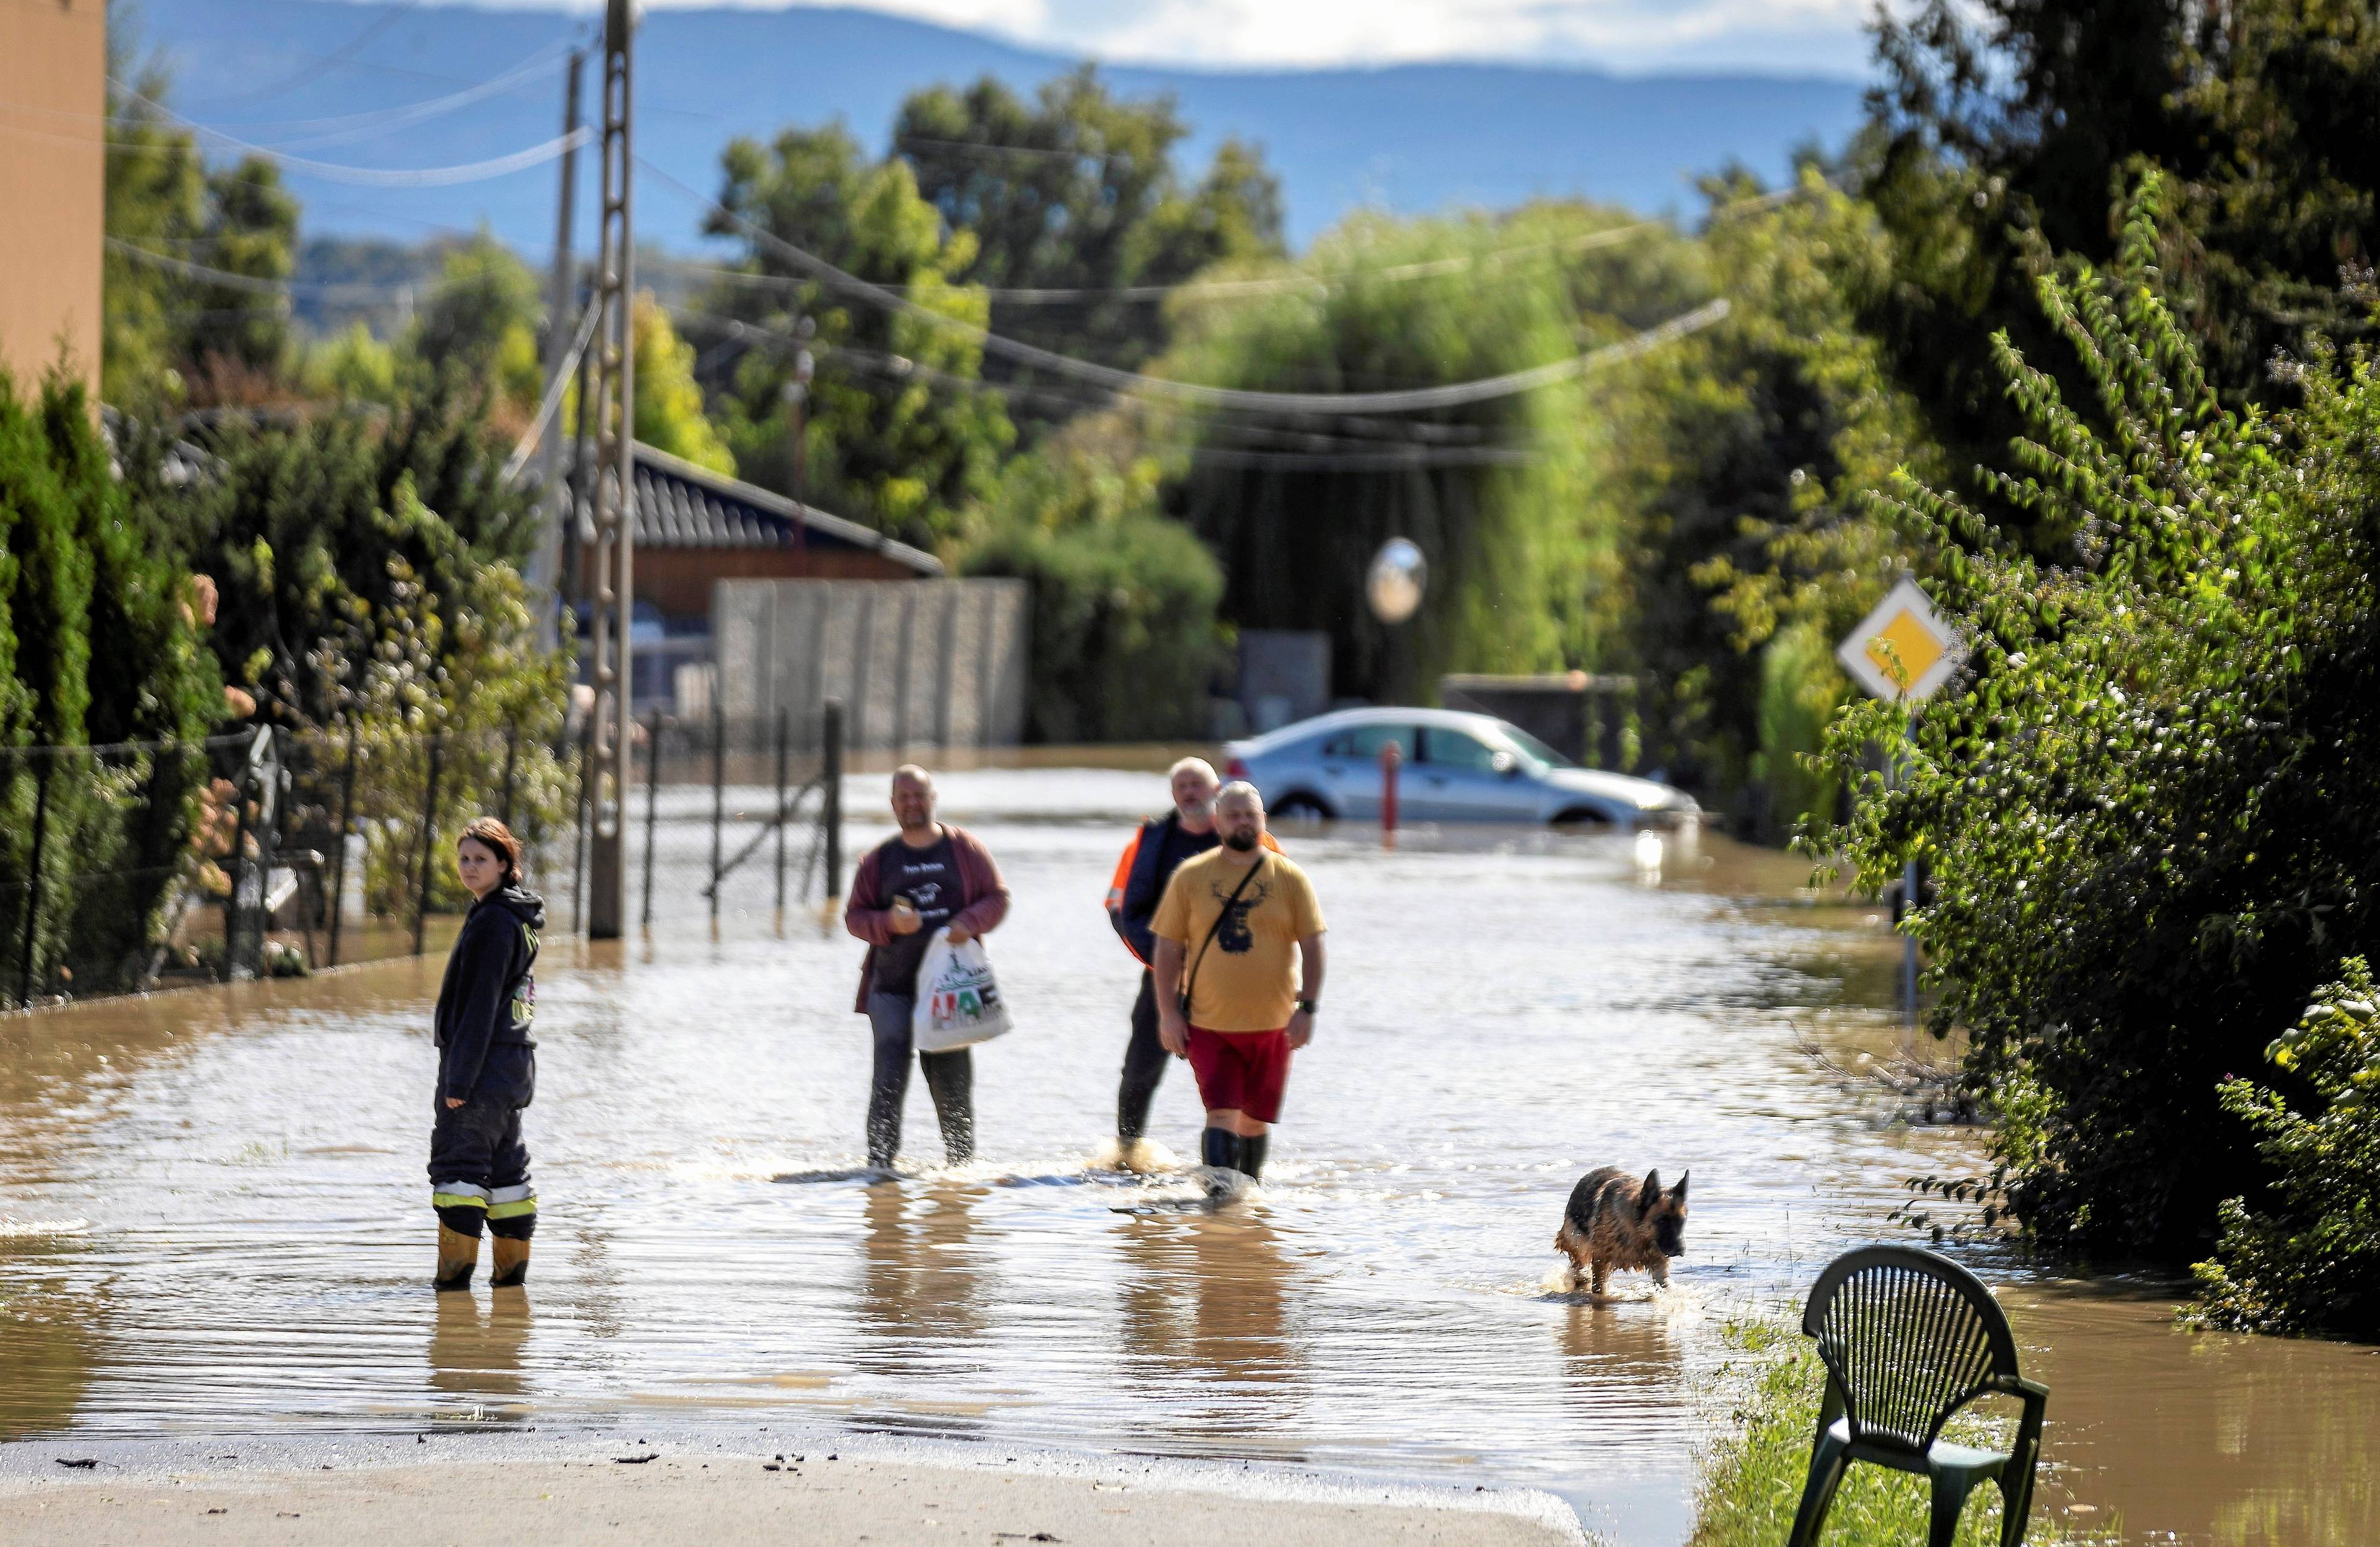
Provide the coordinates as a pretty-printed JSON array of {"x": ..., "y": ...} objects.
[{"x": 958, "y": 1003}]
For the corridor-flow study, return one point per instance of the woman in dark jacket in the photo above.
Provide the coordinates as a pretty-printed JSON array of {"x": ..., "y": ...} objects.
[
  {"x": 487, "y": 1066},
  {"x": 928, "y": 878}
]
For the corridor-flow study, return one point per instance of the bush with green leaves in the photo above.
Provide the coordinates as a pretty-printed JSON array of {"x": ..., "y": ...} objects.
[
  {"x": 291, "y": 519},
  {"x": 98, "y": 643},
  {"x": 2308, "y": 1259},
  {"x": 2146, "y": 798},
  {"x": 1125, "y": 637}
]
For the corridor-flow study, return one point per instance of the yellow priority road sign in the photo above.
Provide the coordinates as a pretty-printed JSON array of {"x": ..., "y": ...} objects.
[{"x": 1903, "y": 650}]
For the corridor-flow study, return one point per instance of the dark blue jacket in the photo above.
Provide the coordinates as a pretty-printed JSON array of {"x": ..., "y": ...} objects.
[
  {"x": 1145, "y": 887},
  {"x": 489, "y": 997}
]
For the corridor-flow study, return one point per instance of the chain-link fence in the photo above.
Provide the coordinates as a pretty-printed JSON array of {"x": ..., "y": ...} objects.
[{"x": 140, "y": 865}]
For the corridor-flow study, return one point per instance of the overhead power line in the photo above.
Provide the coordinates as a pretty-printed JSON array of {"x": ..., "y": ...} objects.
[
  {"x": 348, "y": 51},
  {"x": 1137, "y": 384},
  {"x": 547, "y": 406},
  {"x": 371, "y": 176},
  {"x": 351, "y": 292},
  {"x": 1271, "y": 285},
  {"x": 345, "y": 128}
]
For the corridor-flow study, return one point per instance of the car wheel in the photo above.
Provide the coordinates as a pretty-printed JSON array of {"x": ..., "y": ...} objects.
[
  {"x": 1299, "y": 806},
  {"x": 1583, "y": 817}
]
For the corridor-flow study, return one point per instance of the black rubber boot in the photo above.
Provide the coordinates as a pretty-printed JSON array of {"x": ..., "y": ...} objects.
[
  {"x": 1220, "y": 1148},
  {"x": 1252, "y": 1155}
]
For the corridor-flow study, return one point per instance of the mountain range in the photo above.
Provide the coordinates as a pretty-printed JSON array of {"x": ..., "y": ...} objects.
[{"x": 382, "y": 87}]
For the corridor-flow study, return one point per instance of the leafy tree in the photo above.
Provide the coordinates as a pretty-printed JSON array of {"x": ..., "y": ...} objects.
[
  {"x": 2000, "y": 125},
  {"x": 352, "y": 367},
  {"x": 1738, "y": 459},
  {"x": 1494, "y": 492},
  {"x": 2311, "y": 1262},
  {"x": 2140, "y": 801},
  {"x": 97, "y": 642},
  {"x": 482, "y": 318},
  {"x": 1125, "y": 641},
  {"x": 1078, "y": 190},
  {"x": 893, "y": 433},
  {"x": 251, "y": 230},
  {"x": 669, "y": 404},
  {"x": 156, "y": 199},
  {"x": 291, "y": 524}
]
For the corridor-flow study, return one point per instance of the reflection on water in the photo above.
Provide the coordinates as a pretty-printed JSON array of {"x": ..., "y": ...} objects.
[
  {"x": 211, "y": 1210},
  {"x": 475, "y": 1346},
  {"x": 1205, "y": 1322}
]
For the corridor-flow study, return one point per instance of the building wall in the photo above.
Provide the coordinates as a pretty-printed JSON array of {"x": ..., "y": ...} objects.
[
  {"x": 52, "y": 183},
  {"x": 678, "y": 580},
  {"x": 916, "y": 663}
]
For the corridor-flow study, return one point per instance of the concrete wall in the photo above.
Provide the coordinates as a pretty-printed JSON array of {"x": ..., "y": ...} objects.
[
  {"x": 52, "y": 183},
  {"x": 916, "y": 663}
]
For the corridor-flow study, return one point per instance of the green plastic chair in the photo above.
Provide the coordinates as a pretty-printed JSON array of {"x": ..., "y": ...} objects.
[{"x": 1908, "y": 1338}]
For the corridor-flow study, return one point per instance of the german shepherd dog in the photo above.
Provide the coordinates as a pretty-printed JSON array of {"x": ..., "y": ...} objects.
[{"x": 1613, "y": 1221}]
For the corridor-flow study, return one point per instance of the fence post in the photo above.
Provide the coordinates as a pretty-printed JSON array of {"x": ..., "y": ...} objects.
[
  {"x": 33, "y": 872},
  {"x": 718, "y": 793},
  {"x": 831, "y": 774},
  {"x": 783, "y": 817},
  {"x": 652, "y": 805},
  {"x": 512, "y": 753},
  {"x": 346, "y": 826},
  {"x": 429, "y": 842}
]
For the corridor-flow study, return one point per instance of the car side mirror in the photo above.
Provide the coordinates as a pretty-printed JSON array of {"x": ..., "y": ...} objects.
[{"x": 1505, "y": 764}]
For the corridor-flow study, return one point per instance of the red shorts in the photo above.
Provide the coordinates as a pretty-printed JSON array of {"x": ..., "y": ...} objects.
[{"x": 1241, "y": 1071}]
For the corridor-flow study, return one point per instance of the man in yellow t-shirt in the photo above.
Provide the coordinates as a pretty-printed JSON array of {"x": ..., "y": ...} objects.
[{"x": 1240, "y": 928}]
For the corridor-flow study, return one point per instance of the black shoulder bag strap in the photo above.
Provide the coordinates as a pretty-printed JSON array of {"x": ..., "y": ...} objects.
[{"x": 1192, "y": 982}]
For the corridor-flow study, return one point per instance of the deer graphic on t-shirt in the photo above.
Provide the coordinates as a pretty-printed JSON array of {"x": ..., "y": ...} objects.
[{"x": 1232, "y": 933}]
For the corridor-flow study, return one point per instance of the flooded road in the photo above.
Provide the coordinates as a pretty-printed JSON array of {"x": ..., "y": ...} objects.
[{"x": 213, "y": 1215}]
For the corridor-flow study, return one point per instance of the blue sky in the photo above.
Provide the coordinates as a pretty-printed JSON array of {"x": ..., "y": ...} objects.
[{"x": 1770, "y": 36}]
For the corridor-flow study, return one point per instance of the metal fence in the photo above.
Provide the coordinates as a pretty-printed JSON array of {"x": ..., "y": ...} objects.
[
  {"x": 735, "y": 814},
  {"x": 140, "y": 865}
]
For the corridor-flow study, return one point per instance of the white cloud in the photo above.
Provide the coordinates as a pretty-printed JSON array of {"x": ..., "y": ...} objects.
[{"x": 1622, "y": 34}]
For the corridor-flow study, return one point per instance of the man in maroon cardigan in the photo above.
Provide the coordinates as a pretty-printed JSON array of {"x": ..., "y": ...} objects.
[{"x": 925, "y": 877}]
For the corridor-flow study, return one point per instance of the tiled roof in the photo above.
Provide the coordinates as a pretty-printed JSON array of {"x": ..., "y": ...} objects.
[{"x": 682, "y": 505}]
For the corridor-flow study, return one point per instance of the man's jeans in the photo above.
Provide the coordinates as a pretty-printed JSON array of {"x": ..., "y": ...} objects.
[{"x": 950, "y": 1080}]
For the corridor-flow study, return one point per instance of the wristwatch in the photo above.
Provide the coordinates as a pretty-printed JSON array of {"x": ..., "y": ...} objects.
[{"x": 1311, "y": 1006}]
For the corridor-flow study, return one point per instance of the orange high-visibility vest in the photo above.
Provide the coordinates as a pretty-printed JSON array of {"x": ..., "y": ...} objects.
[{"x": 1124, "y": 874}]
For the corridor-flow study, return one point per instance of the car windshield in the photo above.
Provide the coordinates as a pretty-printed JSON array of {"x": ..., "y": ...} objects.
[{"x": 1534, "y": 749}]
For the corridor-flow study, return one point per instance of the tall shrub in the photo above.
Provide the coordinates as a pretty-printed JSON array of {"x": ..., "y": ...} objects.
[
  {"x": 97, "y": 643},
  {"x": 1125, "y": 637},
  {"x": 2146, "y": 800},
  {"x": 2307, "y": 1257}
]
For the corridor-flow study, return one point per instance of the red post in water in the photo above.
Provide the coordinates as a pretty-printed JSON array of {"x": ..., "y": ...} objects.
[{"x": 1392, "y": 757}]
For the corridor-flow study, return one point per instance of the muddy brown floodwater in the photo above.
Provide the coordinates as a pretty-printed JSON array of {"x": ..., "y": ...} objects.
[{"x": 212, "y": 1216}]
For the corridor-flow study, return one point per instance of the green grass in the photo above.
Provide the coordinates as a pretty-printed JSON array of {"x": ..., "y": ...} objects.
[{"x": 1752, "y": 1475}]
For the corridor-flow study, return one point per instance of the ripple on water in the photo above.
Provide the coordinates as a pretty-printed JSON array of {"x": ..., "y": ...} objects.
[{"x": 228, "y": 1229}]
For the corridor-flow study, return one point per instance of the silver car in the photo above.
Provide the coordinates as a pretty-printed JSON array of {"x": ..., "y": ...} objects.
[{"x": 1457, "y": 767}]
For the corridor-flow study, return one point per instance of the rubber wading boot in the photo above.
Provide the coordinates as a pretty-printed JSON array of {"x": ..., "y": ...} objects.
[
  {"x": 508, "y": 1264},
  {"x": 1252, "y": 1155},
  {"x": 458, "y": 1255},
  {"x": 1220, "y": 1148}
]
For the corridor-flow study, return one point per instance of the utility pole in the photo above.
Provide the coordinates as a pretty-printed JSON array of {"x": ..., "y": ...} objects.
[
  {"x": 611, "y": 592},
  {"x": 545, "y": 581}
]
